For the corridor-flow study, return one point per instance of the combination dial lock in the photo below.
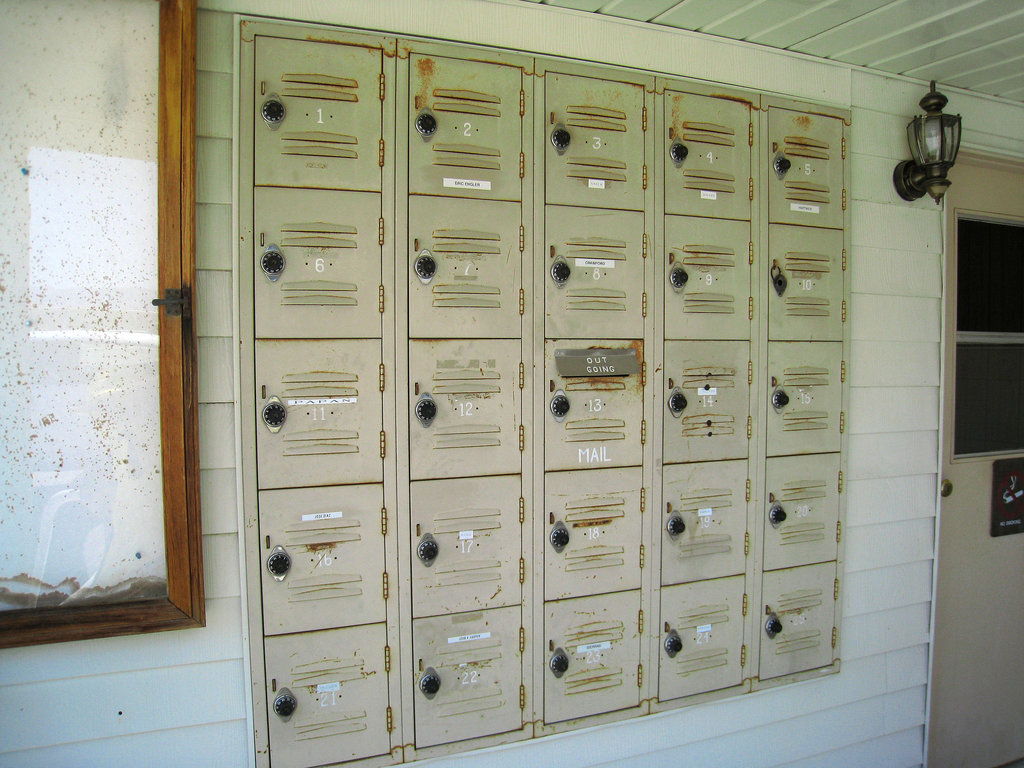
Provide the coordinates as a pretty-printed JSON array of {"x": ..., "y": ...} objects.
[{"x": 285, "y": 704}]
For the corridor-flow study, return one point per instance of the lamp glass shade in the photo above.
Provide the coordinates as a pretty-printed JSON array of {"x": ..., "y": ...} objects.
[{"x": 934, "y": 138}]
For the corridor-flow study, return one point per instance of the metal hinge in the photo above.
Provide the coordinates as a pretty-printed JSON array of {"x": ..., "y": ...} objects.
[
  {"x": 522, "y": 166},
  {"x": 643, "y": 431},
  {"x": 522, "y": 639},
  {"x": 380, "y": 86},
  {"x": 522, "y": 438},
  {"x": 844, "y": 147},
  {"x": 844, "y": 199},
  {"x": 842, "y": 422},
  {"x": 522, "y": 375},
  {"x": 643, "y": 304},
  {"x": 522, "y": 697},
  {"x": 639, "y": 675},
  {"x": 522, "y": 238},
  {"x": 522, "y": 510},
  {"x": 383, "y": 521},
  {"x": 176, "y": 303},
  {"x": 750, "y": 427},
  {"x": 844, "y": 259},
  {"x": 750, "y": 371},
  {"x": 383, "y": 445},
  {"x": 522, "y": 301},
  {"x": 640, "y": 621},
  {"x": 643, "y": 500},
  {"x": 380, "y": 375},
  {"x": 380, "y": 299},
  {"x": 387, "y": 658},
  {"x": 750, "y": 252},
  {"x": 643, "y": 118},
  {"x": 391, "y": 720},
  {"x": 746, "y": 603},
  {"x": 385, "y": 586},
  {"x": 835, "y": 591},
  {"x": 643, "y": 374},
  {"x": 380, "y": 231},
  {"x": 645, "y": 176},
  {"x": 380, "y": 153},
  {"x": 750, "y": 188},
  {"x": 522, "y": 102},
  {"x": 840, "y": 482},
  {"x": 835, "y": 636},
  {"x": 844, "y": 310},
  {"x": 839, "y": 531},
  {"x": 842, "y": 370},
  {"x": 750, "y": 308},
  {"x": 645, "y": 242},
  {"x": 748, "y": 489},
  {"x": 642, "y": 557},
  {"x": 750, "y": 133},
  {"x": 743, "y": 655},
  {"x": 746, "y": 543},
  {"x": 522, "y": 570}
]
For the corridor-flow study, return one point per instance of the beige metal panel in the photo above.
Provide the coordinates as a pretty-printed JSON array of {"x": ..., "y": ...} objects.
[
  {"x": 316, "y": 264},
  {"x": 466, "y": 544},
  {"x": 594, "y": 281},
  {"x": 801, "y": 511},
  {"x": 598, "y": 641},
  {"x": 804, "y": 397},
  {"x": 333, "y": 555},
  {"x": 593, "y": 532},
  {"x": 802, "y": 601},
  {"x": 707, "y": 278},
  {"x": 706, "y": 400},
  {"x": 465, "y": 131},
  {"x": 805, "y": 270},
  {"x": 602, "y": 427},
  {"x": 328, "y": 394},
  {"x": 707, "y": 156},
  {"x": 339, "y": 687},
  {"x": 472, "y": 663},
  {"x": 464, "y": 269},
  {"x": 472, "y": 389},
  {"x": 710, "y": 501},
  {"x": 701, "y": 637},
  {"x": 326, "y": 97},
  {"x": 594, "y": 142},
  {"x": 803, "y": 164}
]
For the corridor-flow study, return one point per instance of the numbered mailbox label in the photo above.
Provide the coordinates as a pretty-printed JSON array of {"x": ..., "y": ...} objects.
[
  {"x": 704, "y": 521},
  {"x": 465, "y": 132},
  {"x": 470, "y": 560},
  {"x": 802, "y": 510},
  {"x": 594, "y": 143},
  {"x": 316, "y": 264},
  {"x": 601, "y": 643},
  {"x": 804, "y": 397},
  {"x": 706, "y": 400},
  {"x": 333, "y": 557},
  {"x": 338, "y": 693},
  {"x": 707, "y": 619},
  {"x": 317, "y": 120},
  {"x": 600, "y": 512},
  {"x": 478, "y": 669},
  {"x": 804, "y": 167},
  {"x": 805, "y": 270},
  {"x": 319, "y": 413},
  {"x": 465, "y": 268},
  {"x": 594, "y": 404},
  {"x": 706, "y": 156},
  {"x": 803, "y": 602}
]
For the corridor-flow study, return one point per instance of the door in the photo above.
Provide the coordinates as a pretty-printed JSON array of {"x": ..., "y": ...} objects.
[{"x": 977, "y": 685}]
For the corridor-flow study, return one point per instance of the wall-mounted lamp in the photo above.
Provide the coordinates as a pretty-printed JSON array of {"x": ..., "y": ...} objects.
[{"x": 934, "y": 139}]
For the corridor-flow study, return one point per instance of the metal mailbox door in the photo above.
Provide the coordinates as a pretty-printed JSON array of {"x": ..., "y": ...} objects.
[
  {"x": 466, "y": 544},
  {"x": 802, "y": 510},
  {"x": 707, "y": 156},
  {"x": 592, "y": 656},
  {"x": 335, "y": 688},
  {"x": 316, "y": 264},
  {"x": 595, "y": 273},
  {"x": 318, "y": 115},
  {"x": 593, "y": 420},
  {"x": 706, "y": 400},
  {"x": 318, "y": 413},
  {"x": 805, "y": 397},
  {"x": 702, "y": 637},
  {"x": 804, "y": 162},
  {"x": 323, "y": 557},
  {"x": 594, "y": 145},
  {"x": 465, "y": 401},
  {"x": 707, "y": 278},
  {"x": 802, "y": 601},
  {"x": 704, "y": 525},
  {"x": 593, "y": 532},
  {"x": 805, "y": 270},
  {"x": 472, "y": 663},
  {"x": 465, "y": 268},
  {"x": 465, "y": 129}
]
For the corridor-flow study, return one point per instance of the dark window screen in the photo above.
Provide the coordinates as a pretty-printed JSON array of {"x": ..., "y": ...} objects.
[{"x": 989, "y": 407}]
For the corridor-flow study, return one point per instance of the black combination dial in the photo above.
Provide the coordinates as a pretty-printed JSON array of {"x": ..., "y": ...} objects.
[
  {"x": 426, "y": 410},
  {"x": 285, "y": 704},
  {"x": 678, "y": 152},
  {"x": 560, "y": 272},
  {"x": 426, "y": 124},
  {"x": 560, "y": 139},
  {"x": 425, "y": 267},
  {"x": 559, "y": 663},
  {"x": 559, "y": 537},
  {"x": 675, "y": 526},
  {"x": 274, "y": 414},
  {"x": 272, "y": 262},
  {"x": 279, "y": 563},
  {"x": 559, "y": 406},
  {"x": 782, "y": 165},
  {"x": 773, "y": 626},
  {"x": 678, "y": 277},
  {"x": 677, "y": 402},
  {"x": 779, "y": 399},
  {"x": 430, "y": 683},
  {"x": 428, "y": 549},
  {"x": 776, "y": 514},
  {"x": 272, "y": 112},
  {"x": 673, "y": 644}
]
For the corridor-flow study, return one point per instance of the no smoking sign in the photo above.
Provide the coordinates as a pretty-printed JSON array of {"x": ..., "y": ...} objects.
[{"x": 1007, "y": 497}]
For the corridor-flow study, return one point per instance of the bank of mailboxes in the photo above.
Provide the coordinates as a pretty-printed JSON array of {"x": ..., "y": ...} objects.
[{"x": 614, "y": 354}]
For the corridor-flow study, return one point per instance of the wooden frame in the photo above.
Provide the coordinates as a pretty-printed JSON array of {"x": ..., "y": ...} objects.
[{"x": 185, "y": 603}]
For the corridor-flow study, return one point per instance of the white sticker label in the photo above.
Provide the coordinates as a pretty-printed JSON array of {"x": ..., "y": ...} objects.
[
  {"x": 467, "y": 184},
  {"x": 804, "y": 208},
  {"x": 595, "y": 183},
  {"x": 705, "y": 512},
  {"x": 321, "y": 401},
  {"x": 323, "y": 516},
  {"x": 465, "y": 535},
  {"x": 704, "y": 628},
  {"x": 467, "y": 638},
  {"x": 602, "y": 263},
  {"x": 707, "y": 194},
  {"x": 328, "y": 687},
  {"x": 594, "y": 647},
  {"x": 707, "y": 391}
]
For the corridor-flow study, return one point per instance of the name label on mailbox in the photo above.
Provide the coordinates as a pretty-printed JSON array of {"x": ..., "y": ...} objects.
[{"x": 596, "y": 362}]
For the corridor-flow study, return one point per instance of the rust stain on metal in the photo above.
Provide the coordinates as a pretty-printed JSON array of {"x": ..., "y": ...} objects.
[
  {"x": 804, "y": 121},
  {"x": 737, "y": 99}
]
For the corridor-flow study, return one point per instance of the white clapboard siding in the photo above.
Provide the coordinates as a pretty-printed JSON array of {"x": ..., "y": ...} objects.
[
  {"x": 886, "y": 544},
  {"x": 896, "y": 273},
  {"x": 893, "y": 454},
  {"x": 876, "y": 633},
  {"x": 886, "y": 499},
  {"x": 896, "y": 750},
  {"x": 213, "y": 236},
  {"x": 895, "y": 318},
  {"x": 897, "y": 409},
  {"x": 894, "y": 363},
  {"x": 894, "y": 586}
]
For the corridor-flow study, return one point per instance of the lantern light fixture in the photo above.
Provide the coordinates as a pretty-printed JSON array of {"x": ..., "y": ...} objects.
[{"x": 934, "y": 140}]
